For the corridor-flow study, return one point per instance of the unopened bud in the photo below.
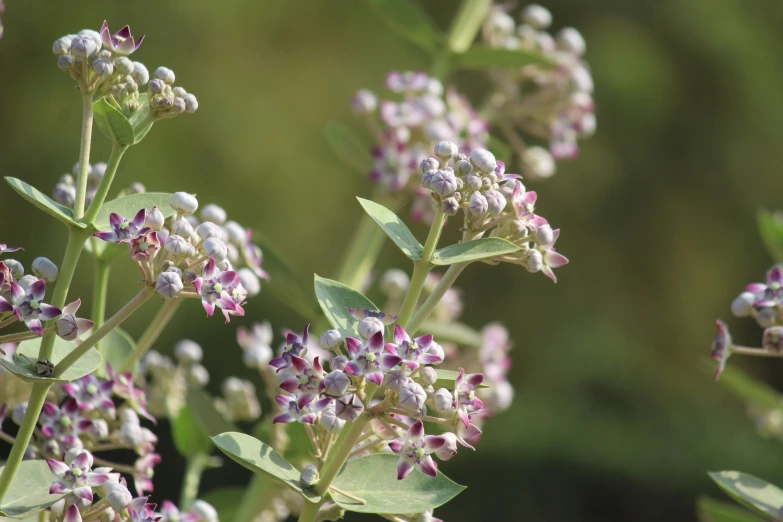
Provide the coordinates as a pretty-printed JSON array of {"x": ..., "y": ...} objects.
[
  {"x": 165, "y": 74},
  {"x": 103, "y": 67},
  {"x": 83, "y": 46},
  {"x": 443, "y": 182},
  {"x": 184, "y": 203},
  {"x": 535, "y": 261},
  {"x": 330, "y": 421},
  {"x": 483, "y": 160},
  {"x": 571, "y": 40},
  {"x": 188, "y": 352},
  {"x": 213, "y": 213},
  {"x": 767, "y": 317},
  {"x": 117, "y": 496},
  {"x": 140, "y": 73},
  {"x": 208, "y": 229},
  {"x": 445, "y": 150},
  {"x": 62, "y": 45},
  {"x": 177, "y": 245},
  {"x": 537, "y": 16},
  {"x": 65, "y": 62},
  {"x": 443, "y": 400},
  {"x": 369, "y": 326},
  {"x": 338, "y": 363},
  {"x": 336, "y": 383},
  {"x": 16, "y": 268},
  {"x": 309, "y": 476},
  {"x": 478, "y": 204},
  {"x": 191, "y": 103},
  {"x": 544, "y": 235},
  {"x": 427, "y": 376},
  {"x": 155, "y": 219},
  {"x": 450, "y": 206},
  {"x": 395, "y": 379},
  {"x": 204, "y": 510},
  {"x": 773, "y": 339},
  {"x": 215, "y": 248},
  {"x": 249, "y": 280},
  {"x": 183, "y": 228},
  {"x": 26, "y": 281},
  {"x": 45, "y": 269},
  {"x": 157, "y": 86},
  {"x": 473, "y": 181},
  {"x": 19, "y": 412},
  {"x": 429, "y": 164},
  {"x": 412, "y": 396},
  {"x": 742, "y": 306},
  {"x": 364, "y": 102},
  {"x": 464, "y": 167},
  {"x": 169, "y": 285},
  {"x": 198, "y": 376},
  {"x": 496, "y": 202},
  {"x": 394, "y": 282},
  {"x": 330, "y": 340}
]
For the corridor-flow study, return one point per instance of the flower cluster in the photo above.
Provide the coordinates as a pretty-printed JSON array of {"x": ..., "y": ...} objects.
[
  {"x": 64, "y": 191},
  {"x": 551, "y": 103},
  {"x": 492, "y": 202},
  {"x": 99, "y": 62},
  {"x": 79, "y": 483},
  {"x": 406, "y": 127},
  {"x": 214, "y": 260}
]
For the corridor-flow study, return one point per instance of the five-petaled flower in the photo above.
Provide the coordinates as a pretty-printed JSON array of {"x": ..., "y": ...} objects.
[
  {"x": 551, "y": 258},
  {"x": 75, "y": 477},
  {"x": 770, "y": 294},
  {"x": 216, "y": 288},
  {"x": 524, "y": 205},
  {"x": 369, "y": 359},
  {"x": 465, "y": 399},
  {"x": 295, "y": 346},
  {"x": 123, "y": 231},
  {"x": 303, "y": 408},
  {"x": 121, "y": 42},
  {"x": 69, "y": 327},
  {"x": 91, "y": 393},
  {"x": 415, "y": 451},
  {"x": 414, "y": 352},
  {"x": 29, "y": 307}
]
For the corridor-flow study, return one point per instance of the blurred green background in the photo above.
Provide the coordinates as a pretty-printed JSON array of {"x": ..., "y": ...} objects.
[{"x": 615, "y": 417}]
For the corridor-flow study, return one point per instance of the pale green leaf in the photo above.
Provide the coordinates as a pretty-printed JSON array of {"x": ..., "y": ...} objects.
[
  {"x": 447, "y": 378},
  {"x": 711, "y": 510},
  {"x": 44, "y": 202},
  {"x": 475, "y": 250},
  {"x": 113, "y": 123},
  {"x": 348, "y": 146},
  {"x": 141, "y": 119},
  {"x": 86, "y": 364},
  {"x": 29, "y": 491},
  {"x": 335, "y": 298},
  {"x": 458, "y": 333},
  {"x": 189, "y": 437},
  {"x": 129, "y": 206},
  {"x": 394, "y": 228},
  {"x": 116, "y": 347},
  {"x": 409, "y": 20},
  {"x": 260, "y": 458},
  {"x": 374, "y": 479},
  {"x": 104, "y": 250},
  {"x": 202, "y": 406},
  {"x": 771, "y": 230},
  {"x": 484, "y": 57},
  {"x": 226, "y": 501},
  {"x": 750, "y": 491}
]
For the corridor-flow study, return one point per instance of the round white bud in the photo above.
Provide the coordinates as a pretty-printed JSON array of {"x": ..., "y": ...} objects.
[
  {"x": 213, "y": 213},
  {"x": 483, "y": 160},
  {"x": 198, "y": 376},
  {"x": 394, "y": 379},
  {"x": 103, "y": 67},
  {"x": 65, "y": 62},
  {"x": 369, "y": 326},
  {"x": 338, "y": 363},
  {"x": 429, "y": 164},
  {"x": 19, "y": 412},
  {"x": 179, "y": 105},
  {"x": 473, "y": 181},
  {"x": 215, "y": 248},
  {"x": 117, "y": 496},
  {"x": 205, "y": 511},
  {"x": 538, "y": 162},
  {"x": 177, "y": 245},
  {"x": 179, "y": 92},
  {"x": 443, "y": 182},
  {"x": 45, "y": 269},
  {"x": 742, "y": 306},
  {"x": 571, "y": 40},
  {"x": 309, "y": 476},
  {"x": 124, "y": 65},
  {"x": 129, "y": 417},
  {"x": 450, "y": 206},
  {"x": 184, "y": 203},
  {"x": 62, "y": 45},
  {"x": 443, "y": 400},
  {"x": 330, "y": 421},
  {"x": 140, "y": 73},
  {"x": 83, "y": 46},
  {"x": 208, "y": 229},
  {"x": 95, "y": 36},
  {"x": 427, "y": 376},
  {"x": 169, "y": 284},
  {"x": 256, "y": 356},
  {"x": 478, "y": 204},
  {"x": 191, "y": 103},
  {"x": 537, "y": 16},
  {"x": 249, "y": 279},
  {"x": 412, "y": 396},
  {"x": 182, "y": 227},
  {"x": 155, "y": 219},
  {"x": 534, "y": 262},
  {"x": 188, "y": 352},
  {"x": 165, "y": 74},
  {"x": 16, "y": 268},
  {"x": 235, "y": 232},
  {"x": 157, "y": 86},
  {"x": 336, "y": 383},
  {"x": 364, "y": 102},
  {"x": 544, "y": 235},
  {"x": 26, "y": 281},
  {"x": 496, "y": 202},
  {"x": 445, "y": 150},
  {"x": 330, "y": 340}
]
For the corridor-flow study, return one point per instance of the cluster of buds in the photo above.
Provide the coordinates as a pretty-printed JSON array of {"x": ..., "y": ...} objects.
[
  {"x": 166, "y": 381},
  {"x": 764, "y": 303},
  {"x": 64, "y": 191},
  {"x": 552, "y": 104},
  {"x": 213, "y": 260},
  {"x": 22, "y": 299},
  {"x": 80, "y": 482},
  {"x": 477, "y": 185},
  {"x": 405, "y": 128},
  {"x": 99, "y": 62},
  {"x": 84, "y": 415}
]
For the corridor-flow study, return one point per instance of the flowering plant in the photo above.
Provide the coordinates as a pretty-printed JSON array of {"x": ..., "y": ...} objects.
[{"x": 362, "y": 411}]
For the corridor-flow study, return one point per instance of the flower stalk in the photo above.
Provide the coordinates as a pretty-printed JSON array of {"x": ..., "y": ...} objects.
[{"x": 88, "y": 99}]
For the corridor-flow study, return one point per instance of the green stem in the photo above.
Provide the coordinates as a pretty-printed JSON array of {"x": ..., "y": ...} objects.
[
  {"x": 76, "y": 239},
  {"x": 434, "y": 298},
  {"x": 34, "y": 406},
  {"x": 421, "y": 268},
  {"x": 254, "y": 499},
  {"x": 103, "y": 189},
  {"x": 466, "y": 24},
  {"x": 99, "y": 291},
  {"x": 84, "y": 155},
  {"x": 117, "y": 319},
  {"x": 151, "y": 334},
  {"x": 22, "y": 336},
  {"x": 193, "y": 471}
]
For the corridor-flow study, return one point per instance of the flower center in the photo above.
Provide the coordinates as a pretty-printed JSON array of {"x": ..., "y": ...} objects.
[
  {"x": 143, "y": 246},
  {"x": 92, "y": 389},
  {"x": 65, "y": 421},
  {"x": 370, "y": 357},
  {"x": 420, "y": 453},
  {"x": 34, "y": 304},
  {"x": 218, "y": 287},
  {"x": 124, "y": 225},
  {"x": 774, "y": 286},
  {"x": 472, "y": 395},
  {"x": 76, "y": 472}
]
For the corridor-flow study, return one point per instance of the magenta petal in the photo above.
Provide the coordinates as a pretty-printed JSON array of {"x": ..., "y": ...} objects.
[
  {"x": 306, "y": 335},
  {"x": 35, "y": 325},
  {"x": 290, "y": 385},
  {"x": 209, "y": 307},
  {"x": 283, "y": 400},
  {"x": 464, "y": 417},
  {"x": 72, "y": 515},
  {"x": 396, "y": 446},
  {"x": 353, "y": 345},
  {"x": 389, "y": 361},
  {"x": 424, "y": 341},
  {"x": 416, "y": 431},
  {"x": 84, "y": 492},
  {"x": 352, "y": 368},
  {"x": 139, "y": 219},
  {"x": 304, "y": 400},
  {"x": 308, "y": 419},
  {"x": 210, "y": 270},
  {"x": 352, "y": 311},
  {"x": 756, "y": 287},
  {"x": 403, "y": 469},
  {"x": 106, "y": 236},
  {"x": 554, "y": 259},
  {"x": 227, "y": 278},
  {"x": 48, "y": 312},
  {"x": 58, "y": 468},
  {"x": 284, "y": 418},
  {"x": 300, "y": 365},
  {"x": 96, "y": 479},
  {"x": 115, "y": 220},
  {"x": 375, "y": 378},
  {"x": 400, "y": 335},
  {"x": 82, "y": 460},
  {"x": 376, "y": 341},
  {"x": 38, "y": 289},
  {"x": 321, "y": 404},
  {"x": 434, "y": 442},
  {"x": 428, "y": 466},
  {"x": 431, "y": 358},
  {"x": 5, "y": 306},
  {"x": 391, "y": 348},
  {"x": 475, "y": 379}
]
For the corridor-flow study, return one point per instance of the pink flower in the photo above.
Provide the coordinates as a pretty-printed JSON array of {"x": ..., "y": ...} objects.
[
  {"x": 121, "y": 42},
  {"x": 415, "y": 451}
]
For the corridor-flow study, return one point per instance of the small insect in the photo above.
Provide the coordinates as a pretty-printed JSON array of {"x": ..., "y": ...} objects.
[{"x": 42, "y": 367}]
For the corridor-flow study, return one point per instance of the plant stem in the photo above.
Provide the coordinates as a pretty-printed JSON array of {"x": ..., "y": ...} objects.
[
  {"x": 84, "y": 155},
  {"x": 193, "y": 471},
  {"x": 254, "y": 499},
  {"x": 434, "y": 298},
  {"x": 151, "y": 334},
  {"x": 76, "y": 240},
  {"x": 421, "y": 268},
  {"x": 22, "y": 336},
  {"x": 117, "y": 319},
  {"x": 466, "y": 24},
  {"x": 103, "y": 189},
  {"x": 34, "y": 406},
  {"x": 99, "y": 291}
]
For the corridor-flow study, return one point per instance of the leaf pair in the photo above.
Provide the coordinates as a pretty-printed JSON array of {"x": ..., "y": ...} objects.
[{"x": 122, "y": 130}]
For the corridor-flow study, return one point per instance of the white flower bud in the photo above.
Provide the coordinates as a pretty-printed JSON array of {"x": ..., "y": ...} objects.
[
  {"x": 129, "y": 417},
  {"x": 249, "y": 280},
  {"x": 473, "y": 181},
  {"x": 412, "y": 396},
  {"x": 767, "y": 317},
  {"x": 450, "y": 206},
  {"x": 496, "y": 202},
  {"x": 65, "y": 62},
  {"x": 369, "y": 326},
  {"x": 16, "y": 268},
  {"x": 213, "y": 213},
  {"x": 449, "y": 449},
  {"x": 183, "y": 228},
  {"x": 184, "y": 203},
  {"x": 583, "y": 80},
  {"x": 309, "y": 476},
  {"x": 395, "y": 282},
  {"x": 443, "y": 182},
  {"x": 188, "y": 352},
  {"x": 83, "y": 46},
  {"x": 535, "y": 261},
  {"x": 198, "y": 376},
  {"x": 18, "y": 414},
  {"x": 330, "y": 421},
  {"x": 107, "y": 515},
  {"x": 205, "y": 511},
  {"x": 478, "y": 205},
  {"x": 500, "y": 23},
  {"x": 117, "y": 496},
  {"x": 364, "y": 102},
  {"x": 140, "y": 73},
  {"x": 429, "y": 164},
  {"x": 428, "y": 376},
  {"x": 26, "y": 281},
  {"x": 169, "y": 285},
  {"x": 179, "y": 92},
  {"x": 336, "y": 383},
  {"x": 103, "y": 67},
  {"x": 742, "y": 306},
  {"x": 75, "y": 452},
  {"x": 571, "y": 40},
  {"x": 330, "y": 340},
  {"x": 191, "y": 103},
  {"x": 445, "y": 150},
  {"x": 177, "y": 245},
  {"x": 215, "y": 248},
  {"x": 235, "y": 232},
  {"x": 483, "y": 160},
  {"x": 179, "y": 105},
  {"x": 395, "y": 379},
  {"x": 426, "y": 178},
  {"x": 207, "y": 230},
  {"x": 443, "y": 400},
  {"x": 157, "y": 86},
  {"x": 124, "y": 65},
  {"x": 62, "y": 46},
  {"x": 544, "y": 235},
  {"x": 155, "y": 219},
  {"x": 165, "y": 74},
  {"x": 338, "y": 363},
  {"x": 257, "y": 356},
  {"x": 45, "y": 269},
  {"x": 537, "y": 16},
  {"x": 95, "y": 36}
]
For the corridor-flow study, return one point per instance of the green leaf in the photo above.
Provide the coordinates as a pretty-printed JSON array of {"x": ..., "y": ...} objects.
[
  {"x": 129, "y": 206},
  {"x": 750, "y": 491},
  {"x": 286, "y": 279},
  {"x": 459, "y": 333},
  {"x": 394, "y": 228},
  {"x": 87, "y": 364},
  {"x": 260, "y": 458},
  {"x": 473, "y": 251},
  {"x": 447, "y": 378},
  {"x": 116, "y": 347},
  {"x": 113, "y": 122},
  {"x": 771, "y": 230},
  {"x": 348, "y": 146},
  {"x": 711, "y": 510},
  {"x": 42, "y": 201},
  {"x": 141, "y": 119},
  {"x": 335, "y": 298},
  {"x": 189, "y": 437},
  {"x": 202, "y": 406},
  {"x": 226, "y": 501},
  {"x": 485, "y": 57},
  {"x": 374, "y": 479},
  {"x": 29, "y": 491},
  {"x": 750, "y": 390},
  {"x": 409, "y": 20},
  {"x": 467, "y": 23}
]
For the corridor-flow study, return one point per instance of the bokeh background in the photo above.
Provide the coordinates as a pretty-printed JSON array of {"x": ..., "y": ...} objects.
[{"x": 616, "y": 415}]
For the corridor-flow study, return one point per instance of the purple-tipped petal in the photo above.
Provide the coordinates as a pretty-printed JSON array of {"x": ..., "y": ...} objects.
[
  {"x": 83, "y": 325},
  {"x": 404, "y": 469},
  {"x": 290, "y": 385},
  {"x": 17, "y": 292},
  {"x": 389, "y": 361},
  {"x": 35, "y": 326},
  {"x": 47, "y": 312},
  {"x": 209, "y": 307},
  {"x": 416, "y": 431},
  {"x": 755, "y": 287},
  {"x": 72, "y": 514},
  {"x": 115, "y": 220},
  {"x": 376, "y": 341},
  {"x": 428, "y": 466},
  {"x": 84, "y": 492},
  {"x": 353, "y": 311},
  {"x": 38, "y": 289},
  {"x": 111, "y": 237},
  {"x": 59, "y": 469},
  {"x": 306, "y": 335},
  {"x": 434, "y": 442},
  {"x": 228, "y": 278},
  {"x": 96, "y": 479},
  {"x": 554, "y": 259},
  {"x": 400, "y": 335},
  {"x": 475, "y": 379},
  {"x": 353, "y": 345},
  {"x": 352, "y": 368},
  {"x": 424, "y": 341},
  {"x": 321, "y": 404},
  {"x": 139, "y": 219},
  {"x": 431, "y": 358},
  {"x": 396, "y": 446},
  {"x": 299, "y": 364},
  {"x": 5, "y": 306},
  {"x": 283, "y": 400},
  {"x": 375, "y": 377},
  {"x": 284, "y": 418},
  {"x": 210, "y": 270},
  {"x": 308, "y": 419},
  {"x": 391, "y": 348},
  {"x": 72, "y": 308}
]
